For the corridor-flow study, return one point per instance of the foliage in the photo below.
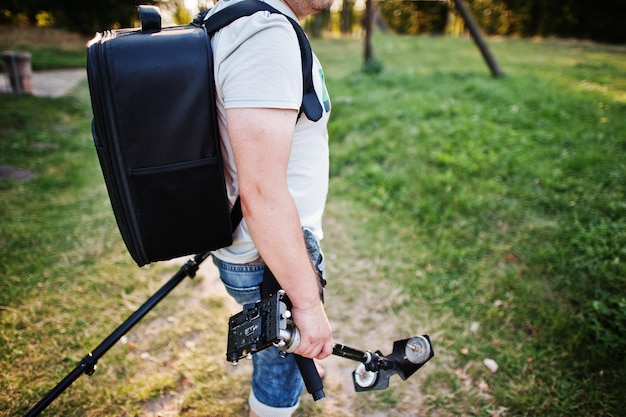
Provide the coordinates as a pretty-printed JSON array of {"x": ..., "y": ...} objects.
[
  {"x": 373, "y": 66},
  {"x": 50, "y": 48},
  {"x": 524, "y": 18},
  {"x": 75, "y": 15},
  {"x": 567, "y": 18},
  {"x": 413, "y": 17}
]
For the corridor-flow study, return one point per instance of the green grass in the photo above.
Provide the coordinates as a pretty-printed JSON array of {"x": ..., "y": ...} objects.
[
  {"x": 494, "y": 209},
  {"x": 510, "y": 194},
  {"x": 49, "y": 48}
]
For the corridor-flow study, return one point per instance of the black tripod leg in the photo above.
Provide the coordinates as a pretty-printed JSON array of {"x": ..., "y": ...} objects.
[{"x": 88, "y": 364}]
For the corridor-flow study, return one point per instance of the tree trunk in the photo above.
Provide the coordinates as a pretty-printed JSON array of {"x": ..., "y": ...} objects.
[{"x": 369, "y": 14}]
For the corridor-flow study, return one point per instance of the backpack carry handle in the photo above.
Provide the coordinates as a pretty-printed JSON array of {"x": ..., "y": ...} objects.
[{"x": 150, "y": 17}]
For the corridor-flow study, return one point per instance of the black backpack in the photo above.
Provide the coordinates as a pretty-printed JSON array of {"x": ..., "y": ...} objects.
[{"x": 156, "y": 133}]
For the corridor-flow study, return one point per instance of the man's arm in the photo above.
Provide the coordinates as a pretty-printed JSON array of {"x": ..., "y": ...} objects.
[{"x": 261, "y": 140}]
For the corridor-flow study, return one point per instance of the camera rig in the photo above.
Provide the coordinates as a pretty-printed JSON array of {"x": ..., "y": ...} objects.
[
  {"x": 260, "y": 325},
  {"x": 268, "y": 323}
]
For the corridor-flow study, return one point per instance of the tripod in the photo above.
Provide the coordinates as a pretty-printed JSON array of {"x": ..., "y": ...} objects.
[{"x": 88, "y": 364}]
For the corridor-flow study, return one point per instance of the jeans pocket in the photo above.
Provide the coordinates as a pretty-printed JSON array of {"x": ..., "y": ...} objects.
[{"x": 242, "y": 282}]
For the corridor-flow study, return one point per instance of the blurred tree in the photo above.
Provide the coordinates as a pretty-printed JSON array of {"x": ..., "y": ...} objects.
[
  {"x": 415, "y": 16},
  {"x": 179, "y": 11},
  {"x": 81, "y": 16},
  {"x": 601, "y": 21},
  {"x": 347, "y": 16},
  {"x": 316, "y": 24},
  {"x": 368, "y": 20},
  {"x": 201, "y": 5}
]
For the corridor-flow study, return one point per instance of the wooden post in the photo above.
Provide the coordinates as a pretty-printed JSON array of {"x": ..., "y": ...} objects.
[
  {"x": 478, "y": 39},
  {"x": 19, "y": 71},
  {"x": 369, "y": 14}
]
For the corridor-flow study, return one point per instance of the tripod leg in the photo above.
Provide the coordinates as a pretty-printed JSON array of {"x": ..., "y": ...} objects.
[
  {"x": 88, "y": 364},
  {"x": 56, "y": 391}
]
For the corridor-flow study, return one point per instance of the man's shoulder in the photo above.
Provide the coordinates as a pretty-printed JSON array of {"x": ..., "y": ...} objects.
[{"x": 263, "y": 24}]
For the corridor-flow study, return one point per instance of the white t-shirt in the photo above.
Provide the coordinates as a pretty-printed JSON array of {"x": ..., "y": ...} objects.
[{"x": 258, "y": 65}]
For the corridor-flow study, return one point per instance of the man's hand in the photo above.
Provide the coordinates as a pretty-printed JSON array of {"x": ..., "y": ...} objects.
[{"x": 315, "y": 332}]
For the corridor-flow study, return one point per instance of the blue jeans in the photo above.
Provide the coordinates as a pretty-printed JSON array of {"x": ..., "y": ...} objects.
[{"x": 276, "y": 381}]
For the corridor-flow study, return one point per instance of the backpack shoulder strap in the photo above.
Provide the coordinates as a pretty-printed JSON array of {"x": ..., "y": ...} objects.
[
  {"x": 311, "y": 106},
  {"x": 310, "y": 103}
]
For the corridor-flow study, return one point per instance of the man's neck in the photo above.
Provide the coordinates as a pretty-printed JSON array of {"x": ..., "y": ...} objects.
[{"x": 298, "y": 8}]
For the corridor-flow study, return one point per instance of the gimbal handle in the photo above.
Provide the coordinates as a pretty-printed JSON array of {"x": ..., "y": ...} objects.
[{"x": 311, "y": 377}]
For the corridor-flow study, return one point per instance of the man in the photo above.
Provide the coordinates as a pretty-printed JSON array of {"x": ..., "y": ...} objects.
[{"x": 276, "y": 160}]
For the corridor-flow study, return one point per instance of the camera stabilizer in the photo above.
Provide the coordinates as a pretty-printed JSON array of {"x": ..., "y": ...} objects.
[
  {"x": 257, "y": 327},
  {"x": 268, "y": 322}
]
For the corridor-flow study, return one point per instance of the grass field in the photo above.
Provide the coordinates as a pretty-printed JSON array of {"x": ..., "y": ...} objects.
[
  {"x": 50, "y": 48},
  {"x": 489, "y": 213}
]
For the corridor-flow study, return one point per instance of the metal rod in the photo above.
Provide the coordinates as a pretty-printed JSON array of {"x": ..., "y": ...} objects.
[
  {"x": 87, "y": 365},
  {"x": 351, "y": 353}
]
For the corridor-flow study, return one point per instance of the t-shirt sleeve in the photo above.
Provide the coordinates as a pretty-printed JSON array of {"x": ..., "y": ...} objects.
[{"x": 259, "y": 64}]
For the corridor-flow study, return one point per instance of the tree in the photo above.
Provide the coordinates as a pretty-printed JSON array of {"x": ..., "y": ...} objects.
[
  {"x": 181, "y": 15},
  {"x": 347, "y": 9},
  {"x": 368, "y": 53},
  {"x": 81, "y": 16},
  {"x": 601, "y": 21}
]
